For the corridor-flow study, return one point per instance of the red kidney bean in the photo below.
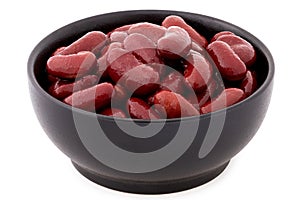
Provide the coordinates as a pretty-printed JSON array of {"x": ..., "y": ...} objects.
[
  {"x": 159, "y": 68},
  {"x": 52, "y": 79},
  {"x": 229, "y": 64},
  {"x": 118, "y": 36},
  {"x": 217, "y": 35},
  {"x": 249, "y": 83},
  {"x": 143, "y": 48},
  {"x": 138, "y": 109},
  {"x": 119, "y": 62},
  {"x": 174, "y": 20},
  {"x": 197, "y": 48},
  {"x": 198, "y": 71},
  {"x": 176, "y": 43},
  {"x": 208, "y": 94},
  {"x": 227, "y": 98},
  {"x": 102, "y": 61},
  {"x": 174, "y": 82},
  {"x": 92, "y": 41},
  {"x": 110, "y": 46},
  {"x": 92, "y": 98},
  {"x": 114, "y": 112},
  {"x": 175, "y": 105},
  {"x": 141, "y": 59},
  {"x": 62, "y": 90},
  {"x": 124, "y": 28},
  {"x": 119, "y": 94},
  {"x": 141, "y": 80},
  {"x": 71, "y": 66},
  {"x": 241, "y": 47},
  {"x": 152, "y": 31},
  {"x": 57, "y": 51}
]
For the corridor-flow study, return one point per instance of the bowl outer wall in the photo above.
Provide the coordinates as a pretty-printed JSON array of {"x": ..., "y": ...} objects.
[{"x": 241, "y": 124}]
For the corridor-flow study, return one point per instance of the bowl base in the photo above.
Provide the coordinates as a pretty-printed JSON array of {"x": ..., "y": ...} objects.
[{"x": 140, "y": 187}]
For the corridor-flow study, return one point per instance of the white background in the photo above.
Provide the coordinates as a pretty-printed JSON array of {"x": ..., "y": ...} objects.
[{"x": 31, "y": 167}]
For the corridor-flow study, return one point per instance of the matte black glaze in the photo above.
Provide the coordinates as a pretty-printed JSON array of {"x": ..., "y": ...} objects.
[{"x": 241, "y": 124}]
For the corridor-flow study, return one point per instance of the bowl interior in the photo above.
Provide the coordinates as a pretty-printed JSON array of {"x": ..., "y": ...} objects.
[{"x": 205, "y": 25}]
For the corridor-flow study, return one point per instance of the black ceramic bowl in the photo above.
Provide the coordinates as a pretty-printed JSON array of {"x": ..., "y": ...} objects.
[{"x": 161, "y": 157}]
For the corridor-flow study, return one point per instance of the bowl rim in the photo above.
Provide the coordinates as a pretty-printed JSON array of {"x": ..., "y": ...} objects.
[{"x": 269, "y": 79}]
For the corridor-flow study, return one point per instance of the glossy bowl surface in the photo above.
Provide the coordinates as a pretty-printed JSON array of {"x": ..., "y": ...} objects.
[{"x": 133, "y": 156}]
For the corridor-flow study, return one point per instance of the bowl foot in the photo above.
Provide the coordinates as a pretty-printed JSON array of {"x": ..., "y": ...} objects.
[{"x": 140, "y": 187}]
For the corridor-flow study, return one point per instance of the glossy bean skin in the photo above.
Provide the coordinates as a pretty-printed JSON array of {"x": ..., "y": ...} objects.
[
  {"x": 119, "y": 62},
  {"x": 114, "y": 112},
  {"x": 249, "y": 83},
  {"x": 92, "y": 41},
  {"x": 208, "y": 94},
  {"x": 229, "y": 64},
  {"x": 151, "y": 31},
  {"x": 197, "y": 48},
  {"x": 61, "y": 90},
  {"x": 124, "y": 28},
  {"x": 71, "y": 66},
  {"x": 241, "y": 47},
  {"x": 198, "y": 72},
  {"x": 102, "y": 61},
  {"x": 118, "y": 36},
  {"x": 174, "y": 20},
  {"x": 141, "y": 80},
  {"x": 175, "y": 105},
  {"x": 227, "y": 98},
  {"x": 144, "y": 48},
  {"x": 176, "y": 43},
  {"x": 138, "y": 109},
  {"x": 174, "y": 82},
  {"x": 119, "y": 94},
  {"x": 219, "y": 34},
  {"x": 93, "y": 98}
]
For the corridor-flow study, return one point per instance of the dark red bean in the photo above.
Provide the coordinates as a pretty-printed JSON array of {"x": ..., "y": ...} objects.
[
  {"x": 92, "y": 98},
  {"x": 229, "y": 64},
  {"x": 174, "y": 82},
  {"x": 92, "y": 41},
  {"x": 111, "y": 46},
  {"x": 143, "y": 48},
  {"x": 152, "y": 31},
  {"x": 62, "y": 90},
  {"x": 141, "y": 80},
  {"x": 138, "y": 109},
  {"x": 102, "y": 61},
  {"x": 119, "y": 62},
  {"x": 114, "y": 112},
  {"x": 199, "y": 99},
  {"x": 52, "y": 79},
  {"x": 241, "y": 47},
  {"x": 176, "y": 43},
  {"x": 124, "y": 28},
  {"x": 71, "y": 66},
  {"x": 118, "y": 36},
  {"x": 175, "y": 105},
  {"x": 119, "y": 95},
  {"x": 216, "y": 36},
  {"x": 197, "y": 48},
  {"x": 174, "y": 20},
  {"x": 198, "y": 72},
  {"x": 249, "y": 83},
  {"x": 227, "y": 98}
]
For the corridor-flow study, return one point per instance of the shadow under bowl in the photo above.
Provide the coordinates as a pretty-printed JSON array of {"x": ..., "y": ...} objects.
[{"x": 125, "y": 155}]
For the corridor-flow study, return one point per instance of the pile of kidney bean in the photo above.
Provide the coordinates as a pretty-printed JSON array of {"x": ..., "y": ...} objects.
[{"x": 148, "y": 71}]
